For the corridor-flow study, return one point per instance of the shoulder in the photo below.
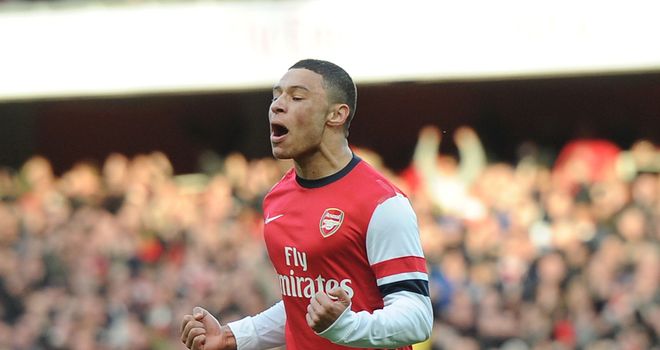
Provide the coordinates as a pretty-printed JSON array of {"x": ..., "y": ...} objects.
[
  {"x": 284, "y": 184},
  {"x": 375, "y": 183}
]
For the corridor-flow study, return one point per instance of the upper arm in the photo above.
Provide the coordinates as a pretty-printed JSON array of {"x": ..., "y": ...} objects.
[{"x": 394, "y": 249}]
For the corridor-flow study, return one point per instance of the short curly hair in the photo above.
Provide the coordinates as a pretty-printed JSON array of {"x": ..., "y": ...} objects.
[{"x": 336, "y": 81}]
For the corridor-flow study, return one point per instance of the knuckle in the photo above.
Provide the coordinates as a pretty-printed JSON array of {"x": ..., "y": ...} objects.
[{"x": 198, "y": 341}]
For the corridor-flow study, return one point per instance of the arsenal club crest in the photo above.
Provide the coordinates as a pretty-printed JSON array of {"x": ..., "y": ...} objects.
[{"x": 331, "y": 221}]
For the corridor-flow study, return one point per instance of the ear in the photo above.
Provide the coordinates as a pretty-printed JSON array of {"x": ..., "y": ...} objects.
[{"x": 338, "y": 115}]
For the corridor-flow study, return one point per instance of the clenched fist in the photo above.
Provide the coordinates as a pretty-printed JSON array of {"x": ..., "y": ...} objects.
[
  {"x": 202, "y": 331},
  {"x": 324, "y": 309}
]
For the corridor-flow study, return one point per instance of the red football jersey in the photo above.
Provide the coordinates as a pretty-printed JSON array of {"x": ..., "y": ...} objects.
[{"x": 316, "y": 233}]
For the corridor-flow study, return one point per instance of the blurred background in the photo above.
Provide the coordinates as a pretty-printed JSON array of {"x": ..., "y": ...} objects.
[{"x": 134, "y": 156}]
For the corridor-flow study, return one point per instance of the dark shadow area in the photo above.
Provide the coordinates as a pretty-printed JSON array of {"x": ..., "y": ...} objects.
[{"x": 548, "y": 112}]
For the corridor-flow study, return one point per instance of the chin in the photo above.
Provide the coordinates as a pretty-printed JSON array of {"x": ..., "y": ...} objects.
[
  {"x": 279, "y": 157},
  {"x": 278, "y": 154}
]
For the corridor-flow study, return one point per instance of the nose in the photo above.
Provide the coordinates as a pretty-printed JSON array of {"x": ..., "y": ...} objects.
[{"x": 277, "y": 106}]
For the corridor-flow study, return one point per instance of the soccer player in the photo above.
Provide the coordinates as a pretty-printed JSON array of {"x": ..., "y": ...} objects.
[{"x": 343, "y": 240}]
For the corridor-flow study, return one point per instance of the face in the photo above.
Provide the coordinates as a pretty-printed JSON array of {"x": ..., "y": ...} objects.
[{"x": 298, "y": 114}]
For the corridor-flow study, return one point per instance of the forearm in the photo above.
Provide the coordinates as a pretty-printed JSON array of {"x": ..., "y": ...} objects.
[
  {"x": 406, "y": 319},
  {"x": 472, "y": 160},
  {"x": 262, "y": 331},
  {"x": 425, "y": 155}
]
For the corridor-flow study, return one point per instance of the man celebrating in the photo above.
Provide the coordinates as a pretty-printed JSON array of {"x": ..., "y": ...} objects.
[{"x": 343, "y": 240}]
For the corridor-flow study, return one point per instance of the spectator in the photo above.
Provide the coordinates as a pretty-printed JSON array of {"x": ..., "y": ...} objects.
[{"x": 105, "y": 256}]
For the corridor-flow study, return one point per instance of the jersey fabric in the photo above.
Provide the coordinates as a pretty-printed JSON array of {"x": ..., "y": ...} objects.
[{"x": 354, "y": 230}]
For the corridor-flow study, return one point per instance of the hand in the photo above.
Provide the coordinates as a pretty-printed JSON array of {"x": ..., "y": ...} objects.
[
  {"x": 323, "y": 311},
  {"x": 465, "y": 136},
  {"x": 202, "y": 331},
  {"x": 430, "y": 135}
]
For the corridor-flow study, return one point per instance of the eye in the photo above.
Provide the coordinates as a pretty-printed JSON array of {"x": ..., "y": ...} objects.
[{"x": 297, "y": 98}]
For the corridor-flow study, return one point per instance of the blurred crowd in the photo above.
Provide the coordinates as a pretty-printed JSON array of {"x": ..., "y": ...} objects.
[{"x": 532, "y": 255}]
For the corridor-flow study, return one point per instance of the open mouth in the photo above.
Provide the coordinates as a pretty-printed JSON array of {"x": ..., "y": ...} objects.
[{"x": 279, "y": 130}]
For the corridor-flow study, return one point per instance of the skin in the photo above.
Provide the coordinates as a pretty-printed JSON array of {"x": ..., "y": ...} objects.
[
  {"x": 202, "y": 331},
  {"x": 316, "y": 141},
  {"x": 324, "y": 309}
]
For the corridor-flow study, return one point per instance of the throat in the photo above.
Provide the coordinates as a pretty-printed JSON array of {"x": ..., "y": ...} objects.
[{"x": 322, "y": 164}]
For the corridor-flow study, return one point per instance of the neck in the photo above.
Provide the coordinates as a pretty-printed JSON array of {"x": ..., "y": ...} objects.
[{"x": 327, "y": 160}]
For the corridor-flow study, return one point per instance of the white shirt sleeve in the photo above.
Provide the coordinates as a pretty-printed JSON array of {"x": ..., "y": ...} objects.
[
  {"x": 406, "y": 319},
  {"x": 262, "y": 331},
  {"x": 394, "y": 252}
]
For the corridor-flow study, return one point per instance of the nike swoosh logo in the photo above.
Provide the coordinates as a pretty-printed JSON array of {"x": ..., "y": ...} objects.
[{"x": 269, "y": 219}]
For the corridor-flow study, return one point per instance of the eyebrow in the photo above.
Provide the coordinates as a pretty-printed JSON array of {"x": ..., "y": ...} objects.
[{"x": 292, "y": 87}]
